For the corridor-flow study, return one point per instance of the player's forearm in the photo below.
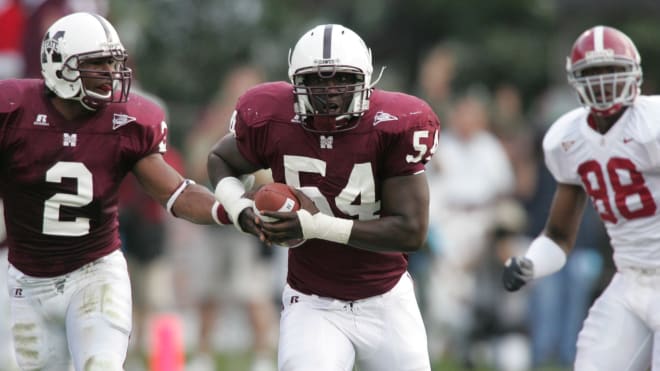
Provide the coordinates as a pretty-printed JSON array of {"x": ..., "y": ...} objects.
[
  {"x": 195, "y": 204},
  {"x": 389, "y": 234}
]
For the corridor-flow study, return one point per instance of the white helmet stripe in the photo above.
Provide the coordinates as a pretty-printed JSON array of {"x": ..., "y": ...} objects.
[
  {"x": 108, "y": 35},
  {"x": 598, "y": 38},
  {"x": 327, "y": 41}
]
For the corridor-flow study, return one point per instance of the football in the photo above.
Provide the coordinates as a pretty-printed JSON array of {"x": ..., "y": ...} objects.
[{"x": 275, "y": 197}]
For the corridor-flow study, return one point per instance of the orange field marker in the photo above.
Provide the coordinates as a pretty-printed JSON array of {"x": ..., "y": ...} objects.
[{"x": 166, "y": 343}]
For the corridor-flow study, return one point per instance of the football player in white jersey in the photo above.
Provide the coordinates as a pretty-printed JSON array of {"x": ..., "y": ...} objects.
[{"x": 609, "y": 151}]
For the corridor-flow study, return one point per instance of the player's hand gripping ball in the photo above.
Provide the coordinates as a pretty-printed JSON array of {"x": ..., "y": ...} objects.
[{"x": 276, "y": 197}]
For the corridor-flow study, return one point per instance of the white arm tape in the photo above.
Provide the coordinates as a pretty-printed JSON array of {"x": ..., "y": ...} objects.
[
  {"x": 546, "y": 256},
  {"x": 176, "y": 194},
  {"x": 229, "y": 192},
  {"x": 325, "y": 227}
]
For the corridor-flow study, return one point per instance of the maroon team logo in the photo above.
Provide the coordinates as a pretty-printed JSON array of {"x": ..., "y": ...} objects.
[{"x": 52, "y": 47}]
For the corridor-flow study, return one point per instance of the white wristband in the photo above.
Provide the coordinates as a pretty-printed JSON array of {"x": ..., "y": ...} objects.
[
  {"x": 170, "y": 201},
  {"x": 546, "y": 256},
  {"x": 214, "y": 213},
  {"x": 229, "y": 192},
  {"x": 325, "y": 227}
]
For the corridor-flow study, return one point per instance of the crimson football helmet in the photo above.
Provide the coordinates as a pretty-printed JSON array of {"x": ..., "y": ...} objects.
[
  {"x": 74, "y": 39},
  {"x": 617, "y": 81},
  {"x": 330, "y": 68}
]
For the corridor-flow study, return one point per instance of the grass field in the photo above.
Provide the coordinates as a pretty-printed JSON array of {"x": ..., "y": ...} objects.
[{"x": 241, "y": 362}]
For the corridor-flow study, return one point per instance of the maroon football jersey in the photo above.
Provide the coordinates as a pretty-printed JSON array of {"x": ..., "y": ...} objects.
[
  {"x": 343, "y": 172},
  {"x": 60, "y": 178}
]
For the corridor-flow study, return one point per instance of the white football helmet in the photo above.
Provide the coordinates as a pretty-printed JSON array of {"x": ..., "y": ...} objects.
[
  {"x": 605, "y": 93},
  {"x": 324, "y": 51},
  {"x": 73, "y": 39}
]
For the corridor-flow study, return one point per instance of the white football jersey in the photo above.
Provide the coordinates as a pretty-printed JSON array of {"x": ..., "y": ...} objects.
[{"x": 620, "y": 171}]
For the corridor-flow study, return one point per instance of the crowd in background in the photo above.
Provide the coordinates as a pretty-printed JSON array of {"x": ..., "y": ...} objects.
[{"x": 490, "y": 195}]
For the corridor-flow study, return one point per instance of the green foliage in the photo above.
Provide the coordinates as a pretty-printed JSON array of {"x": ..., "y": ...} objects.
[{"x": 185, "y": 47}]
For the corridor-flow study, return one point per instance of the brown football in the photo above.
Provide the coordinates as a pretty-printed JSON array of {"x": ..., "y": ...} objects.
[{"x": 275, "y": 197}]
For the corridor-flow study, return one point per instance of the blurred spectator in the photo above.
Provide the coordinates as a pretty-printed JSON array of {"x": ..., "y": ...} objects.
[
  {"x": 516, "y": 135},
  {"x": 41, "y": 14},
  {"x": 471, "y": 176},
  {"x": 228, "y": 266},
  {"x": 435, "y": 78},
  {"x": 12, "y": 23},
  {"x": 214, "y": 122},
  {"x": 434, "y": 82}
]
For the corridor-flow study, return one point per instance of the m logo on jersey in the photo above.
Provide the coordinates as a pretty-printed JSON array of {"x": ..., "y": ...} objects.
[
  {"x": 69, "y": 140},
  {"x": 120, "y": 119},
  {"x": 326, "y": 142},
  {"x": 382, "y": 117},
  {"x": 41, "y": 120}
]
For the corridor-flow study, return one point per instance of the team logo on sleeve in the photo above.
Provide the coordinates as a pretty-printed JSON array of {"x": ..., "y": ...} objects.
[
  {"x": 382, "y": 117},
  {"x": 567, "y": 145},
  {"x": 120, "y": 119}
]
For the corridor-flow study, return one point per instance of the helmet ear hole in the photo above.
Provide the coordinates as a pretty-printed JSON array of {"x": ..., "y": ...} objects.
[{"x": 58, "y": 73}]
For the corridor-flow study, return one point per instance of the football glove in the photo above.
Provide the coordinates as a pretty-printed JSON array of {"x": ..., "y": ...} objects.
[{"x": 518, "y": 271}]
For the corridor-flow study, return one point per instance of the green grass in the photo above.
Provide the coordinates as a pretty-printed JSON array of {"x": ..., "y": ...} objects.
[{"x": 240, "y": 361}]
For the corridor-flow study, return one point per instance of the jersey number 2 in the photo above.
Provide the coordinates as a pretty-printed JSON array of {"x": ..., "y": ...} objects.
[
  {"x": 627, "y": 183},
  {"x": 84, "y": 194}
]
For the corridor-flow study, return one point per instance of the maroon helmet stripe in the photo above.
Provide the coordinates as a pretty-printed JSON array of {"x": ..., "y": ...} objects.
[{"x": 327, "y": 41}]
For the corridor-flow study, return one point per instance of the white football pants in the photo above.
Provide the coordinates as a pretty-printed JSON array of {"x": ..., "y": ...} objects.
[
  {"x": 84, "y": 316},
  {"x": 383, "y": 332},
  {"x": 619, "y": 331}
]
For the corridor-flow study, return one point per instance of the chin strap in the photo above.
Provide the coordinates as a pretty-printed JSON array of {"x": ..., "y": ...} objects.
[
  {"x": 608, "y": 112},
  {"x": 380, "y": 75},
  {"x": 89, "y": 104}
]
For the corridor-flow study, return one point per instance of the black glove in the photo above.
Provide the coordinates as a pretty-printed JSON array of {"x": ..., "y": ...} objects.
[{"x": 517, "y": 272}]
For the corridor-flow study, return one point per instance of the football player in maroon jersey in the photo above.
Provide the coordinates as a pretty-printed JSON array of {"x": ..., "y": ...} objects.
[
  {"x": 66, "y": 142},
  {"x": 359, "y": 154}
]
